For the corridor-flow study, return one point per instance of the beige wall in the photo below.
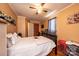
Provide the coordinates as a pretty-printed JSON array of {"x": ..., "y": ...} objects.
[
  {"x": 21, "y": 25},
  {"x": 45, "y": 23},
  {"x": 7, "y": 10},
  {"x": 64, "y": 30}
]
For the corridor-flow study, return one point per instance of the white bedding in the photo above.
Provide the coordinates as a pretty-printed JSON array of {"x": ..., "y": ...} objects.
[{"x": 30, "y": 46}]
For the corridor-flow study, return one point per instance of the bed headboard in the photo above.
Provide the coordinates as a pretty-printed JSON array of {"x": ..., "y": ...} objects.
[{"x": 52, "y": 37}]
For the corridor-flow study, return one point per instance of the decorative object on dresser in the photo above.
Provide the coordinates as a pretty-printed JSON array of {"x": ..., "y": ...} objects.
[{"x": 6, "y": 18}]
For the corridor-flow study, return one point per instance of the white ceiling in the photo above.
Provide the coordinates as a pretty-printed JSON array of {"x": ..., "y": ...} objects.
[{"x": 22, "y": 9}]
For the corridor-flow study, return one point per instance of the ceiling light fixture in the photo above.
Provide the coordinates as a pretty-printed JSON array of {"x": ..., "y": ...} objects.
[{"x": 38, "y": 7}]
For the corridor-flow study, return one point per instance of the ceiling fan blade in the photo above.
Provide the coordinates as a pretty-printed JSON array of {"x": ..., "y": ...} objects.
[
  {"x": 45, "y": 11},
  {"x": 32, "y": 7},
  {"x": 42, "y": 4}
]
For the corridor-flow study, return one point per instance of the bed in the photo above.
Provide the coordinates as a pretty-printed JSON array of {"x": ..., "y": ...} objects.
[{"x": 31, "y": 46}]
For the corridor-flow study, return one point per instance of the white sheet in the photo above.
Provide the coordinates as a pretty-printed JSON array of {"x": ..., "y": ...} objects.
[{"x": 32, "y": 47}]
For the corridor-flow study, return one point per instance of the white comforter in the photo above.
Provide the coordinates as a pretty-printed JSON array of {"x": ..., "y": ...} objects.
[{"x": 32, "y": 47}]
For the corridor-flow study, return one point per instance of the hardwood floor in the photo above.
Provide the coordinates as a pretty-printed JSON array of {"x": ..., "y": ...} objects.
[{"x": 52, "y": 53}]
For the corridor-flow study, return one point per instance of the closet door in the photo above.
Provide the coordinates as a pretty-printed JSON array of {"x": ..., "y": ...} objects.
[
  {"x": 36, "y": 29},
  {"x": 26, "y": 28},
  {"x": 3, "y": 40},
  {"x": 30, "y": 29}
]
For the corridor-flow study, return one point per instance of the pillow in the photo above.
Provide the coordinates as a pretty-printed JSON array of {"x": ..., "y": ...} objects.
[
  {"x": 9, "y": 42},
  {"x": 14, "y": 38},
  {"x": 9, "y": 35}
]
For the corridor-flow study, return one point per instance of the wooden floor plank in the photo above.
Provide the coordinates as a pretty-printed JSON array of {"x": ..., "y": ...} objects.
[{"x": 52, "y": 53}]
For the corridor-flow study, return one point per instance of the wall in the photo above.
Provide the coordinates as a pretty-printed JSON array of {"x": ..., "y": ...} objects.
[
  {"x": 45, "y": 23},
  {"x": 3, "y": 41},
  {"x": 21, "y": 25},
  {"x": 64, "y": 30},
  {"x": 7, "y": 10}
]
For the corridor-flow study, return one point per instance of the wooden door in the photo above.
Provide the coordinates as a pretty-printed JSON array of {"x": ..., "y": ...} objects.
[
  {"x": 36, "y": 29},
  {"x": 26, "y": 28}
]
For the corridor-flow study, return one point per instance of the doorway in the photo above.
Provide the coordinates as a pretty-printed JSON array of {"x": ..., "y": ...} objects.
[{"x": 36, "y": 29}]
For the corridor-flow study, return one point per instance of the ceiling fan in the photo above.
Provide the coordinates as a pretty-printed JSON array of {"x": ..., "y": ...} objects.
[{"x": 39, "y": 8}]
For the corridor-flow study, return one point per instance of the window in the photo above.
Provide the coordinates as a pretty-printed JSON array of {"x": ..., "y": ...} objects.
[{"x": 52, "y": 25}]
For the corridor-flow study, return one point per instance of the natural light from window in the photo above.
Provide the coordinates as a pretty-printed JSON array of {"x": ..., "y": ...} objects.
[{"x": 52, "y": 25}]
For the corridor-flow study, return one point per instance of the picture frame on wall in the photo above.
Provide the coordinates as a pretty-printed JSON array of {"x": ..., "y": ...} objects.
[{"x": 73, "y": 19}]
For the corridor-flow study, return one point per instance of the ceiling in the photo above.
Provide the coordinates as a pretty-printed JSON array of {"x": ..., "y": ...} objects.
[{"x": 22, "y": 9}]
